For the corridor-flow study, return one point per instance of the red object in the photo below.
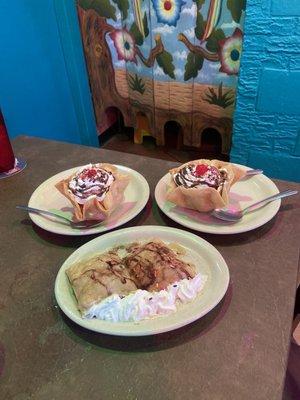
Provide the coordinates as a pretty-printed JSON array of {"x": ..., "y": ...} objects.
[
  {"x": 91, "y": 173},
  {"x": 7, "y": 158},
  {"x": 167, "y": 5},
  {"x": 201, "y": 169}
]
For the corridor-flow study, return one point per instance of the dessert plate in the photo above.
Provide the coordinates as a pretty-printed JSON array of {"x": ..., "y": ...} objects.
[
  {"x": 206, "y": 258},
  {"x": 243, "y": 193},
  {"x": 47, "y": 197}
]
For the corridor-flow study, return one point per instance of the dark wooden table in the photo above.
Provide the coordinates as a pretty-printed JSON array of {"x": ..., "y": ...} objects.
[{"x": 238, "y": 351}]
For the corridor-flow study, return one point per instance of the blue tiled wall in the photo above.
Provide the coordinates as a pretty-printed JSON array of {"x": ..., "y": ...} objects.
[{"x": 267, "y": 118}]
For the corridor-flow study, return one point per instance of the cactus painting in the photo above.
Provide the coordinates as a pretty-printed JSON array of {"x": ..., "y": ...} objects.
[
  {"x": 219, "y": 98},
  {"x": 136, "y": 83}
]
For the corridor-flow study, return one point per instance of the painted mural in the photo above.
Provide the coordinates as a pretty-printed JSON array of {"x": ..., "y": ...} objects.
[{"x": 164, "y": 60}]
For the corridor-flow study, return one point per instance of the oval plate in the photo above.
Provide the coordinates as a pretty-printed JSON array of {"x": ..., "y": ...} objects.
[
  {"x": 205, "y": 257},
  {"x": 243, "y": 193},
  {"x": 47, "y": 197}
]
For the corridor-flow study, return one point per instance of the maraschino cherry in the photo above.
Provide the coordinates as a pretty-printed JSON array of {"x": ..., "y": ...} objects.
[
  {"x": 201, "y": 169},
  {"x": 91, "y": 173}
]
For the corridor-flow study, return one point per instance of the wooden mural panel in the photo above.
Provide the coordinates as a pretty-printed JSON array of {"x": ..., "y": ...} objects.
[{"x": 164, "y": 60}]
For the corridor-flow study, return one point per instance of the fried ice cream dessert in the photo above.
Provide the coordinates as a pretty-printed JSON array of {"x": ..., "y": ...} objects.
[
  {"x": 95, "y": 191},
  {"x": 203, "y": 185}
]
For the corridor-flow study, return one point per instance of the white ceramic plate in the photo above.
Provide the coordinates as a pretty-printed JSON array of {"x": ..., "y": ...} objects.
[
  {"x": 205, "y": 257},
  {"x": 47, "y": 197},
  {"x": 243, "y": 193}
]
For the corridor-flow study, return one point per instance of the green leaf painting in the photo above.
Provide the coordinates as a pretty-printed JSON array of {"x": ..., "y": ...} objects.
[
  {"x": 123, "y": 6},
  {"x": 200, "y": 26},
  {"x": 236, "y": 7},
  {"x": 193, "y": 65},
  {"x": 165, "y": 61},
  {"x": 145, "y": 23},
  {"x": 135, "y": 32},
  {"x": 102, "y": 7},
  {"x": 199, "y": 3},
  {"x": 212, "y": 42}
]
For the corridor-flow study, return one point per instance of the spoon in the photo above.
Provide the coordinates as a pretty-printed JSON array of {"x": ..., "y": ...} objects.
[
  {"x": 235, "y": 215},
  {"x": 251, "y": 172},
  {"x": 81, "y": 224}
]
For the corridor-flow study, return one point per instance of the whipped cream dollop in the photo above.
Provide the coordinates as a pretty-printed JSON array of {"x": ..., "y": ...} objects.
[
  {"x": 142, "y": 304},
  {"x": 91, "y": 180},
  {"x": 193, "y": 175}
]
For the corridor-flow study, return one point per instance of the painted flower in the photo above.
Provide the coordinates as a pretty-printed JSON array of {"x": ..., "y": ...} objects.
[
  {"x": 124, "y": 44},
  {"x": 168, "y": 11},
  {"x": 230, "y": 50}
]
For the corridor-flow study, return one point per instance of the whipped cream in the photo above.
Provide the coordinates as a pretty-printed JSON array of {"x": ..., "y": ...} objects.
[
  {"x": 142, "y": 304},
  {"x": 189, "y": 176},
  {"x": 91, "y": 181}
]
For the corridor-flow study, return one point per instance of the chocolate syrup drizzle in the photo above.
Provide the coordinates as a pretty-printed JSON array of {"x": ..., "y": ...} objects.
[
  {"x": 86, "y": 186},
  {"x": 188, "y": 178}
]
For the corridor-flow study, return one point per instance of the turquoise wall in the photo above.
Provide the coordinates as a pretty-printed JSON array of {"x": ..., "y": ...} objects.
[
  {"x": 43, "y": 83},
  {"x": 267, "y": 117}
]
